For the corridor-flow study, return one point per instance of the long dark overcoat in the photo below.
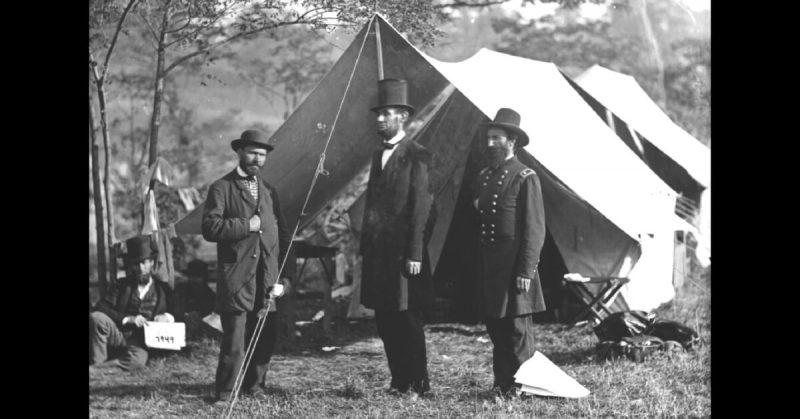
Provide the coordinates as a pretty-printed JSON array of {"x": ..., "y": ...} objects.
[
  {"x": 396, "y": 214},
  {"x": 226, "y": 221},
  {"x": 511, "y": 212}
]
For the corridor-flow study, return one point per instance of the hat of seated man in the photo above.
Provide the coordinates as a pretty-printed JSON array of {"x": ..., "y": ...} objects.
[
  {"x": 140, "y": 248},
  {"x": 508, "y": 119},
  {"x": 393, "y": 93},
  {"x": 252, "y": 137}
]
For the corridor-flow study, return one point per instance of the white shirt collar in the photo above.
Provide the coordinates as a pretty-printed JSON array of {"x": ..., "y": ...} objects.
[
  {"x": 144, "y": 288},
  {"x": 397, "y": 138},
  {"x": 241, "y": 172}
]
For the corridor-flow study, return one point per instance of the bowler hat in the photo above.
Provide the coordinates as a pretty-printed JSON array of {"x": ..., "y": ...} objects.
[
  {"x": 252, "y": 137},
  {"x": 508, "y": 119},
  {"x": 140, "y": 248},
  {"x": 393, "y": 92}
]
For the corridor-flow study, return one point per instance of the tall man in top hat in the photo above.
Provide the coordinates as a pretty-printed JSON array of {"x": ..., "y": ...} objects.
[
  {"x": 396, "y": 280},
  {"x": 243, "y": 216},
  {"x": 511, "y": 213},
  {"x": 117, "y": 322}
]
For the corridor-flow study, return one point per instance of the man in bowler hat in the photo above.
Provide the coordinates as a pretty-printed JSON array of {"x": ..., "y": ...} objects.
[
  {"x": 511, "y": 214},
  {"x": 396, "y": 279},
  {"x": 243, "y": 216},
  {"x": 117, "y": 322}
]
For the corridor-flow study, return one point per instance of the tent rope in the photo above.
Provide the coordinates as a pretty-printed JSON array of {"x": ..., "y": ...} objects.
[{"x": 319, "y": 171}]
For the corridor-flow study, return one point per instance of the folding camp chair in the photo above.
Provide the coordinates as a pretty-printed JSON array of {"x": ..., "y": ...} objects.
[{"x": 596, "y": 306}]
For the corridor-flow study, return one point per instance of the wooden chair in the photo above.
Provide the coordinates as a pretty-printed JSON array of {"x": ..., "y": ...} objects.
[{"x": 594, "y": 306}]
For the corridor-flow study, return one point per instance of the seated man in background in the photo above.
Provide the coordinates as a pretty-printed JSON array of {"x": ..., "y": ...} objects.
[{"x": 117, "y": 322}]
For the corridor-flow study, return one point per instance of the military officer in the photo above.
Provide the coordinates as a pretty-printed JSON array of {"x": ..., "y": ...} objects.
[{"x": 511, "y": 213}]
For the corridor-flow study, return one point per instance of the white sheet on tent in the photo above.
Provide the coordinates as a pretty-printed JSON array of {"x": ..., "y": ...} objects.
[
  {"x": 647, "y": 283},
  {"x": 626, "y": 98}
]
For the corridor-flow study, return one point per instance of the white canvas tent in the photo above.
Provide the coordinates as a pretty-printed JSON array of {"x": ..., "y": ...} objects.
[
  {"x": 686, "y": 162},
  {"x": 606, "y": 212}
]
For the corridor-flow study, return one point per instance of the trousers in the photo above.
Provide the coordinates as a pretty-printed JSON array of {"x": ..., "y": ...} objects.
[
  {"x": 512, "y": 338},
  {"x": 105, "y": 337},
  {"x": 238, "y": 328},
  {"x": 403, "y": 339}
]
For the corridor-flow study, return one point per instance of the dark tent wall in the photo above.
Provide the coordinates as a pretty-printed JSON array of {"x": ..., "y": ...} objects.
[{"x": 354, "y": 136}]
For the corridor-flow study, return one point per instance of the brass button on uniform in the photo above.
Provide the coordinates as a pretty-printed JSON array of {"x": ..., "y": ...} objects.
[{"x": 255, "y": 256}]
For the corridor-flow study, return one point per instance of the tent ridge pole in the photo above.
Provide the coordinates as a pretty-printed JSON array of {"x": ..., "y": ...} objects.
[{"x": 378, "y": 46}]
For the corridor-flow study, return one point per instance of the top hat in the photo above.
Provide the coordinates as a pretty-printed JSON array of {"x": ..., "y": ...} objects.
[
  {"x": 508, "y": 119},
  {"x": 140, "y": 248},
  {"x": 252, "y": 137},
  {"x": 393, "y": 92}
]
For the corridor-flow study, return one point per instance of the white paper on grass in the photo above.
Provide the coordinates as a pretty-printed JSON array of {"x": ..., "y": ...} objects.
[
  {"x": 161, "y": 335},
  {"x": 214, "y": 321},
  {"x": 539, "y": 375}
]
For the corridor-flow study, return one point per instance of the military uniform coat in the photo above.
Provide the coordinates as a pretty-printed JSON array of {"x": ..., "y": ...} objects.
[
  {"x": 226, "y": 221},
  {"x": 396, "y": 215},
  {"x": 511, "y": 213}
]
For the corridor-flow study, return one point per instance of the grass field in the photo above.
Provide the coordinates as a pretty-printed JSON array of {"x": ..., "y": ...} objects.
[{"x": 350, "y": 381}]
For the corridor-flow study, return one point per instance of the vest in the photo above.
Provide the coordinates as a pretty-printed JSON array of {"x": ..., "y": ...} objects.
[{"x": 145, "y": 306}]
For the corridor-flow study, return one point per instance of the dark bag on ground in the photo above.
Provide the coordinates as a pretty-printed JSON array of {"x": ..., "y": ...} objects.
[
  {"x": 636, "y": 348},
  {"x": 669, "y": 330},
  {"x": 624, "y": 324}
]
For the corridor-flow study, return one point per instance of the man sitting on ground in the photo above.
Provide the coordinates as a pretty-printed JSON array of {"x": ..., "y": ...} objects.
[{"x": 117, "y": 322}]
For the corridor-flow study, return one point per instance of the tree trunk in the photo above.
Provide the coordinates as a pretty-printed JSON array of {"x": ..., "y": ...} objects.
[
  {"x": 98, "y": 205},
  {"x": 101, "y": 96},
  {"x": 155, "y": 120},
  {"x": 158, "y": 95},
  {"x": 662, "y": 91}
]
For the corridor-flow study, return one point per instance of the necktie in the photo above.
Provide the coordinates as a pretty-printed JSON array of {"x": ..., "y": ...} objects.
[{"x": 387, "y": 145}]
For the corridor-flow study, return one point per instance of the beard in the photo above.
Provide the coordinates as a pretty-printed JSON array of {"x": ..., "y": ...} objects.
[
  {"x": 388, "y": 131},
  {"x": 144, "y": 278},
  {"x": 496, "y": 155},
  {"x": 251, "y": 169}
]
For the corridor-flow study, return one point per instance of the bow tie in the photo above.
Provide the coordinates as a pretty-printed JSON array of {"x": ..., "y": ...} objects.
[
  {"x": 387, "y": 145},
  {"x": 249, "y": 178}
]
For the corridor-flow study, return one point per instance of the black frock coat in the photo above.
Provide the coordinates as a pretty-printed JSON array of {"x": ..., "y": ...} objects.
[{"x": 395, "y": 228}]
